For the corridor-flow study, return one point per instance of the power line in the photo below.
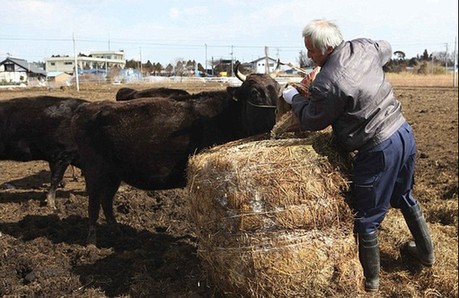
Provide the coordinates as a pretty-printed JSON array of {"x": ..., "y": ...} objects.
[
  {"x": 285, "y": 48},
  {"x": 146, "y": 42}
]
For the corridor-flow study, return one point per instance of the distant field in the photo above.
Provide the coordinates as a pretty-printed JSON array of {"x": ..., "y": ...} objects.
[
  {"x": 396, "y": 79},
  {"x": 408, "y": 79}
]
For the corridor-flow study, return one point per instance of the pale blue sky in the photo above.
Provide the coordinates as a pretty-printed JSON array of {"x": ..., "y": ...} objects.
[{"x": 163, "y": 31}]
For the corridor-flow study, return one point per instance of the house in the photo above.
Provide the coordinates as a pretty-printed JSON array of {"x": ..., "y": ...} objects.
[
  {"x": 16, "y": 71},
  {"x": 57, "y": 79},
  {"x": 95, "y": 61},
  {"x": 259, "y": 65}
]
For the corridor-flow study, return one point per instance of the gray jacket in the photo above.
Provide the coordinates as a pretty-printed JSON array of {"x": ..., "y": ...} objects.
[{"x": 352, "y": 94}]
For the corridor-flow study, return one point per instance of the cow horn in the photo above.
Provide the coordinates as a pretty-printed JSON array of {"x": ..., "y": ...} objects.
[
  {"x": 299, "y": 69},
  {"x": 238, "y": 73},
  {"x": 277, "y": 70}
]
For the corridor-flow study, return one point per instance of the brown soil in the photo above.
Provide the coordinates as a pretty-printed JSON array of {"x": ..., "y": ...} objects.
[{"x": 43, "y": 252}]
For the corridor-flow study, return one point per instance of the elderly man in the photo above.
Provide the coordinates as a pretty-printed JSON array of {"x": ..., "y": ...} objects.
[{"x": 352, "y": 94}]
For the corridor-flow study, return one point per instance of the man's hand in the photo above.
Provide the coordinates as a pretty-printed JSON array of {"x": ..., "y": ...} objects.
[
  {"x": 288, "y": 93},
  {"x": 302, "y": 88}
]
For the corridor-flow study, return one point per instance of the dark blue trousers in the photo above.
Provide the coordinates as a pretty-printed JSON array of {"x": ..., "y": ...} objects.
[{"x": 383, "y": 176}]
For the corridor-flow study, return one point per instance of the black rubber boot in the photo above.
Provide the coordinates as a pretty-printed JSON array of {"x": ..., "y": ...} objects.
[
  {"x": 369, "y": 258},
  {"x": 421, "y": 248}
]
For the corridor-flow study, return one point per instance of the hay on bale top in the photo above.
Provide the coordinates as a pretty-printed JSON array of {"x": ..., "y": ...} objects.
[{"x": 269, "y": 184}]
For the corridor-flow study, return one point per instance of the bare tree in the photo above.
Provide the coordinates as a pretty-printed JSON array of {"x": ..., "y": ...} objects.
[
  {"x": 169, "y": 69},
  {"x": 304, "y": 61},
  {"x": 400, "y": 55},
  {"x": 179, "y": 67}
]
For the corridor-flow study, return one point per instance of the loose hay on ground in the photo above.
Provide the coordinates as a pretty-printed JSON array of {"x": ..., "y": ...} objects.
[{"x": 272, "y": 219}]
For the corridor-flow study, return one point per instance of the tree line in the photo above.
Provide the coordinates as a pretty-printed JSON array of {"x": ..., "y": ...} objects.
[
  {"x": 426, "y": 63},
  {"x": 181, "y": 68},
  {"x": 433, "y": 63}
]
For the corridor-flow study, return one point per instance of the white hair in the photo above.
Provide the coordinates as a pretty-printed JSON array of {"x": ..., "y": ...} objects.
[{"x": 323, "y": 34}]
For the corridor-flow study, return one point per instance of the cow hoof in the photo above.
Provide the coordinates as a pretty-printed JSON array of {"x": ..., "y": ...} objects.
[
  {"x": 51, "y": 205},
  {"x": 50, "y": 200}
]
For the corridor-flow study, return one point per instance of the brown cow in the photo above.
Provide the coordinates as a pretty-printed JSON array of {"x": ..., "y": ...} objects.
[
  {"x": 38, "y": 128},
  {"x": 129, "y": 93},
  {"x": 146, "y": 142}
]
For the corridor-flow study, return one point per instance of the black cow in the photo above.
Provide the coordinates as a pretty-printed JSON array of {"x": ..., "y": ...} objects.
[
  {"x": 146, "y": 142},
  {"x": 124, "y": 94},
  {"x": 38, "y": 128}
]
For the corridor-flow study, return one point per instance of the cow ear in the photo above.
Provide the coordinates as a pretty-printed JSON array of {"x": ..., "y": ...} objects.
[{"x": 232, "y": 91}]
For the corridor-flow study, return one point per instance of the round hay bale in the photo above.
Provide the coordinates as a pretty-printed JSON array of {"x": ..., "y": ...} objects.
[
  {"x": 277, "y": 264},
  {"x": 271, "y": 217}
]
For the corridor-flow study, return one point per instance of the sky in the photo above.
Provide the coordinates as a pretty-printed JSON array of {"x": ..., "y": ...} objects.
[{"x": 167, "y": 31}]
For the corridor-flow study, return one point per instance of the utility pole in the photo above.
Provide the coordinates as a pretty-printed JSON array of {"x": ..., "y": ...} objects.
[
  {"x": 266, "y": 60},
  {"x": 205, "y": 61},
  {"x": 76, "y": 64},
  {"x": 232, "y": 61},
  {"x": 455, "y": 64},
  {"x": 140, "y": 53},
  {"x": 106, "y": 67}
]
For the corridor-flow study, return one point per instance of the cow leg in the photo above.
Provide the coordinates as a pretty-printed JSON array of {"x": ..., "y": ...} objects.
[
  {"x": 101, "y": 191},
  {"x": 93, "y": 214},
  {"x": 58, "y": 169},
  {"x": 107, "y": 200}
]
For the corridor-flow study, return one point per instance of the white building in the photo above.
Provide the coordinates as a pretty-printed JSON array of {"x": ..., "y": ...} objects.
[
  {"x": 259, "y": 65},
  {"x": 100, "y": 60},
  {"x": 17, "y": 71}
]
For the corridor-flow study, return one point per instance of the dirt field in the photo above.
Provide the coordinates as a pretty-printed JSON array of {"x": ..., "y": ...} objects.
[{"x": 43, "y": 253}]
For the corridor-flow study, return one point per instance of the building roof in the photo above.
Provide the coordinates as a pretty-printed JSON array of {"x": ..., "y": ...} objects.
[
  {"x": 53, "y": 74},
  {"x": 30, "y": 67},
  {"x": 263, "y": 58}
]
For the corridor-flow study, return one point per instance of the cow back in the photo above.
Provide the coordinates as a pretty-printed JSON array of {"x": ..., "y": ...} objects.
[
  {"x": 37, "y": 128},
  {"x": 146, "y": 142},
  {"x": 124, "y": 94}
]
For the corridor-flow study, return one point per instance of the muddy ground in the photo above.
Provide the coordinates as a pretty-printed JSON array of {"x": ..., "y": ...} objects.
[{"x": 43, "y": 252}]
